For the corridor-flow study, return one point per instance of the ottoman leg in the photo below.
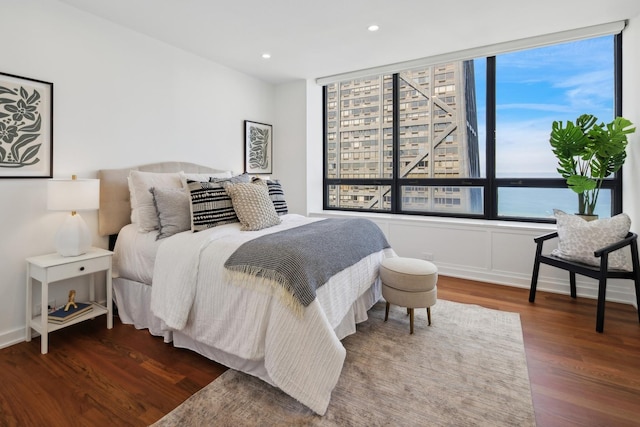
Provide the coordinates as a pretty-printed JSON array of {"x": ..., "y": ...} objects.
[
  {"x": 429, "y": 315},
  {"x": 411, "y": 321},
  {"x": 386, "y": 312}
]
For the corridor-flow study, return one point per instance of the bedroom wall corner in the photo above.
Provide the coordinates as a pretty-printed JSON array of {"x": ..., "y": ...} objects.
[
  {"x": 315, "y": 147},
  {"x": 289, "y": 144}
]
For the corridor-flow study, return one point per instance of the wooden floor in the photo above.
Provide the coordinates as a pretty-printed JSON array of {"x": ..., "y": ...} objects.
[{"x": 124, "y": 377}]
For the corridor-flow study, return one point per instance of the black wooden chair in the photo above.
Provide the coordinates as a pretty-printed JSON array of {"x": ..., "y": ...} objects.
[{"x": 601, "y": 273}]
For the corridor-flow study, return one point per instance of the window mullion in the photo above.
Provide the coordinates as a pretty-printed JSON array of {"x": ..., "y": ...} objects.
[
  {"x": 491, "y": 191},
  {"x": 396, "y": 191}
]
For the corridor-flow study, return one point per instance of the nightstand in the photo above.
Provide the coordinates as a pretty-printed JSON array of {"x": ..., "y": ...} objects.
[{"x": 53, "y": 268}]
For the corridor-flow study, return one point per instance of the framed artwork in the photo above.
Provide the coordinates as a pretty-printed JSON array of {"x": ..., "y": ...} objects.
[
  {"x": 258, "y": 147},
  {"x": 26, "y": 127}
]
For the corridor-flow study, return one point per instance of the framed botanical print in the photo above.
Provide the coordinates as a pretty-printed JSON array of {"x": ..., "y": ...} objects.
[
  {"x": 258, "y": 147},
  {"x": 26, "y": 127}
]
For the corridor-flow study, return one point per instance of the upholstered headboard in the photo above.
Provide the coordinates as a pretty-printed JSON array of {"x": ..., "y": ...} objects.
[{"x": 115, "y": 206}]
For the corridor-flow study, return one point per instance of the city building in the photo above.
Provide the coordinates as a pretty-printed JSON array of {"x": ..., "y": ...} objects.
[{"x": 438, "y": 138}]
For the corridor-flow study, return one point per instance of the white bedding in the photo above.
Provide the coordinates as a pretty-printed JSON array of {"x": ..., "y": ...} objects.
[
  {"x": 135, "y": 254},
  {"x": 302, "y": 356}
]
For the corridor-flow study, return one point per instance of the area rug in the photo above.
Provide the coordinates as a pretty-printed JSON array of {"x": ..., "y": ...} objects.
[{"x": 467, "y": 369}]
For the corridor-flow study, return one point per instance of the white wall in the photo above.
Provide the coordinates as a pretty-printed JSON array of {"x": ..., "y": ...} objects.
[
  {"x": 631, "y": 110},
  {"x": 289, "y": 148},
  {"x": 120, "y": 99},
  {"x": 315, "y": 142}
]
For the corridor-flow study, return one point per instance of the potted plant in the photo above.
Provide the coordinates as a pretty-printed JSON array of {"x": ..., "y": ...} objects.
[{"x": 589, "y": 152}]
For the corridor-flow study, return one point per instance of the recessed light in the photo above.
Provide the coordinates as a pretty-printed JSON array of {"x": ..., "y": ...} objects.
[
  {"x": 266, "y": 55},
  {"x": 373, "y": 27}
]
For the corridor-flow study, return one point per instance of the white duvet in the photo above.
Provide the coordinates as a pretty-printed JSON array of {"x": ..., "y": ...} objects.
[{"x": 192, "y": 292}]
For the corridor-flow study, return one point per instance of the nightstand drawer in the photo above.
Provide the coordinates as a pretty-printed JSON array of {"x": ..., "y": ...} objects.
[{"x": 78, "y": 268}]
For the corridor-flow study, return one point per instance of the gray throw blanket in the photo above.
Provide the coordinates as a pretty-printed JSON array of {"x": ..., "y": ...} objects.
[{"x": 303, "y": 258}]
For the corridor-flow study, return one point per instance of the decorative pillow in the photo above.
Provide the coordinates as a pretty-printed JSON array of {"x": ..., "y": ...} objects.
[
  {"x": 578, "y": 239},
  {"x": 244, "y": 177},
  {"x": 203, "y": 177},
  {"x": 132, "y": 202},
  {"x": 277, "y": 196},
  {"x": 210, "y": 205},
  {"x": 172, "y": 207},
  {"x": 253, "y": 205},
  {"x": 143, "y": 208}
]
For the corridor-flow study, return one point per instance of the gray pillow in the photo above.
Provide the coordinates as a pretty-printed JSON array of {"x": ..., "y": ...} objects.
[
  {"x": 172, "y": 207},
  {"x": 143, "y": 209}
]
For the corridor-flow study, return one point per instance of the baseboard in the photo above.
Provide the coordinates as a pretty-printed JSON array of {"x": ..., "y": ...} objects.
[
  {"x": 621, "y": 291},
  {"x": 12, "y": 337}
]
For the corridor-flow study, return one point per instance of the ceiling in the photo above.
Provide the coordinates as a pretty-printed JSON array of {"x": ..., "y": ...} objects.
[{"x": 313, "y": 38}]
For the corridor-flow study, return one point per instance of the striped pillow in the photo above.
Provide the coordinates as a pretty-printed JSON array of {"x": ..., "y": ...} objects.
[
  {"x": 277, "y": 196},
  {"x": 210, "y": 205}
]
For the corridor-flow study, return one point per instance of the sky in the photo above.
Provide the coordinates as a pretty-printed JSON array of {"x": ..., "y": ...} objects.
[{"x": 538, "y": 86}]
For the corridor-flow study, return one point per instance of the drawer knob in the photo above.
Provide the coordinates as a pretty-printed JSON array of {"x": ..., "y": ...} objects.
[{"x": 81, "y": 268}]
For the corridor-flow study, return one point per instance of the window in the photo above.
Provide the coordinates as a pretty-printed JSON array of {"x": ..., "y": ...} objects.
[{"x": 468, "y": 138}]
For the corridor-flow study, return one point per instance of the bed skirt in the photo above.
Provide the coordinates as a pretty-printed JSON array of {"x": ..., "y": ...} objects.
[{"x": 133, "y": 300}]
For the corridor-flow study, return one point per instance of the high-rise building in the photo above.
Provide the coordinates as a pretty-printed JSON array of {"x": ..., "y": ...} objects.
[{"x": 438, "y": 138}]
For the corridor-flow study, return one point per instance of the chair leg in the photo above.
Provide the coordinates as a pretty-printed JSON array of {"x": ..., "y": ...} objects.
[
  {"x": 534, "y": 276},
  {"x": 572, "y": 284},
  {"x": 410, "y": 320},
  {"x": 386, "y": 312},
  {"x": 637, "y": 282},
  {"x": 429, "y": 315},
  {"x": 636, "y": 273},
  {"x": 602, "y": 292}
]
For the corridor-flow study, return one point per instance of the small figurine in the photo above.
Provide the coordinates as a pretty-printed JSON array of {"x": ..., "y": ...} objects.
[{"x": 72, "y": 300}]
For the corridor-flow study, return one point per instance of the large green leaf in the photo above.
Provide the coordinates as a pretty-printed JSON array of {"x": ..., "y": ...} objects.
[{"x": 580, "y": 183}]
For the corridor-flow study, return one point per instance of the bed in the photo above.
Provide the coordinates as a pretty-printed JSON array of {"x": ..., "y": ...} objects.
[{"x": 179, "y": 288}]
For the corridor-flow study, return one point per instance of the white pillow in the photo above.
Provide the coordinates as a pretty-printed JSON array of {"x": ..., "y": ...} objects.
[
  {"x": 578, "y": 239},
  {"x": 132, "y": 201},
  {"x": 143, "y": 209}
]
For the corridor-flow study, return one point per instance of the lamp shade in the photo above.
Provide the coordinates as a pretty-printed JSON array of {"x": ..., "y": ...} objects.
[
  {"x": 73, "y": 194},
  {"x": 73, "y": 237}
]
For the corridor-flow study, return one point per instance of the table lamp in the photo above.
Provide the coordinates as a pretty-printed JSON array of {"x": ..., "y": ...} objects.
[{"x": 73, "y": 237}]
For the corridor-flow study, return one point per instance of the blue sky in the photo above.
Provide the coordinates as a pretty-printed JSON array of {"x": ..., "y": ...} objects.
[{"x": 536, "y": 87}]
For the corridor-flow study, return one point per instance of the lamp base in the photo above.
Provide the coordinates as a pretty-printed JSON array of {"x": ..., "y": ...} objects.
[{"x": 73, "y": 237}]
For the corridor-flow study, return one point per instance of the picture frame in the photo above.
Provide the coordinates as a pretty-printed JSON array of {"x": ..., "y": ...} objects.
[
  {"x": 26, "y": 127},
  {"x": 258, "y": 147}
]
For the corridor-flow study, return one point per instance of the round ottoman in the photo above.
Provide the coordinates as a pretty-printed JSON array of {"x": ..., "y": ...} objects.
[{"x": 409, "y": 282}]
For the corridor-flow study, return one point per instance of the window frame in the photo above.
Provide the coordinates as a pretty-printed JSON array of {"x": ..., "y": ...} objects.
[{"x": 490, "y": 184}]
